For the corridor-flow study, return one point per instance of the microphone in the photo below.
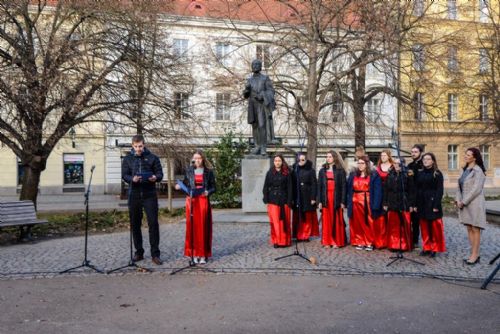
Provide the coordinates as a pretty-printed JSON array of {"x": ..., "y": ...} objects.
[
  {"x": 192, "y": 162},
  {"x": 92, "y": 168}
]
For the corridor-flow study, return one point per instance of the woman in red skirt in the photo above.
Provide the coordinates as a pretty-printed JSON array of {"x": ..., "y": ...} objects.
[
  {"x": 305, "y": 187},
  {"x": 278, "y": 195},
  {"x": 398, "y": 203},
  {"x": 364, "y": 203},
  {"x": 429, "y": 185},
  {"x": 198, "y": 241},
  {"x": 384, "y": 164},
  {"x": 332, "y": 194}
]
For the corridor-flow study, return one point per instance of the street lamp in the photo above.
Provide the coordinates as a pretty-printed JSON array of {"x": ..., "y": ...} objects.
[{"x": 72, "y": 133}]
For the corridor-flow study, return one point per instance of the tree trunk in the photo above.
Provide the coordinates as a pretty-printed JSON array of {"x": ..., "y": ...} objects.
[
  {"x": 169, "y": 182},
  {"x": 31, "y": 180},
  {"x": 359, "y": 126},
  {"x": 312, "y": 141}
]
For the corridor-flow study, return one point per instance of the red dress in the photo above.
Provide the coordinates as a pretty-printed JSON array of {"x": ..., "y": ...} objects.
[
  {"x": 380, "y": 223},
  {"x": 333, "y": 231},
  {"x": 433, "y": 235},
  {"x": 395, "y": 230},
  {"x": 279, "y": 218},
  {"x": 361, "y": 222},
  {"x": 307, "y": 225},
  {"x": 202, "y": 223}
]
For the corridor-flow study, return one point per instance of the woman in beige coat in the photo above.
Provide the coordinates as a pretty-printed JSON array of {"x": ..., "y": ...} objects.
[{"x": 470, "y": 201}]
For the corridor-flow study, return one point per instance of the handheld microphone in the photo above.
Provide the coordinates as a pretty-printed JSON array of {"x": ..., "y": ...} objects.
[
  {"x": 92, "y": 168},
  {"x": 192, "y": 162}
]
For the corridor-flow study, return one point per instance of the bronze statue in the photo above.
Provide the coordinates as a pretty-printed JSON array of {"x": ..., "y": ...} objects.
[{"x": 260, "y": 94}]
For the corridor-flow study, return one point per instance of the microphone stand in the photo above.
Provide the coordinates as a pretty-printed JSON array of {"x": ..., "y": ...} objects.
[
  {"x": 86, "y": 262},
  {"x": 191, "y": 263},
  {"x": 402, "y": 219},
  {"x": 295, "y": 230},
  {"x": 492, "y": 274}
]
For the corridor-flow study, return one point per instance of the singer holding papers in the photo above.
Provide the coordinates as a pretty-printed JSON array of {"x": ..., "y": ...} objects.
[
  {"x": 141, "y": 169},
  {"x": 198, "y": 184}
]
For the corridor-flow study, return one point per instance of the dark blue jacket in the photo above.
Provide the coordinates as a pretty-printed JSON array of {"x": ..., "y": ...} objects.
[
  {"x": 376, "y": 194},
  {"x": 146, "y": 163}
]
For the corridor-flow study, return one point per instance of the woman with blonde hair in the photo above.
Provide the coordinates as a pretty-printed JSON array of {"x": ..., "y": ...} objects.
[
  {"x": 471, "y": 202},
  {"x": 331, "y": 195}
]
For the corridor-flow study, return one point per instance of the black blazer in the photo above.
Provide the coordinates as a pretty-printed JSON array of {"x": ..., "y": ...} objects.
[
  {"x": 340, "y": 187},
  {"x": 278, "y": 188},
  {"x": 208, "y": 179},
  {"x": 429, "y": 185},
  {"x": 305, "y": 186},
  {"x": 399, "y": 191}
]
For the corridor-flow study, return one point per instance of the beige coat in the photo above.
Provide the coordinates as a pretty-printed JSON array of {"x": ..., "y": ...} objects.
[{"x": 474, "y": 211}]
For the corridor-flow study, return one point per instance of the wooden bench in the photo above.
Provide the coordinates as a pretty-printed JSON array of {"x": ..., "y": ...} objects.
[{"x": 19, "y": 213}]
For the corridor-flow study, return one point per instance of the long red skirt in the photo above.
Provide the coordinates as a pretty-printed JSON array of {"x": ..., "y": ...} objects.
[
  {"x": 333, "y": 224},
  {"x": 361, "y": 222},
  {"x": 433, "y": 235},
  {"x": 303, "y": 228},
  {"x": 315, "y": 226},
  {"x": 397, "y": 228},
  {"x": 380, "y": 232},
  {"x": 202, "y": 232},
  {"x": 281, "y": 232}
]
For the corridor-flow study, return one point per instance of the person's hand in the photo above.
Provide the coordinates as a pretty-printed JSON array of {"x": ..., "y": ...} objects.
[
  {"x": 137, "y": 178},
  {"x": 386, "y": 207},
  {"x": 415, "y": 209},
  {"x": 411, "y": 209},
  {"x": 152, "y": 178},
  {"x": 313, "y": 202},
  {"x": 342, "y": 206},
  {"x": 320, "y": 206},
  {"x": 460, "y": 205},
  {"x": 435, "y": 210},
  {"x": 205, "y": 193},
  {"x": 177, "y": 187}
]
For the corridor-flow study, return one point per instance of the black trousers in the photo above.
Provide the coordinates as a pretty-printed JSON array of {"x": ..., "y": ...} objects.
[
  {"x": 136, "y": 205},
  {"x": 415, "y": 227}
]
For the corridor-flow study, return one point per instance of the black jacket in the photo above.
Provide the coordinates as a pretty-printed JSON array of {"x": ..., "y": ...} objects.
[
  {"x": 339, "y": 175},
  {"x": 304, "y": 180},
  {"x": 429, "y": 190},
  {"x": 399, "y": 194},
  {"x": 146, "y": 163},
  {"x": 278, "y": 188},
  {"x": 415, "y": 166},
  {"x": 208, "y": 179}
]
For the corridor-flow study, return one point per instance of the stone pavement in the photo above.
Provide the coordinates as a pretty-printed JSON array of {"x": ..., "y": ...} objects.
[{"x": 244, "y": 248}]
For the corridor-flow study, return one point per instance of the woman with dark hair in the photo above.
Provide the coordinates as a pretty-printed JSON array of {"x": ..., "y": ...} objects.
[
  {"x": 471, "y": 202},
  {"x": 331, "y": 194},
  {"x": 429, "y": 185},
  {"x": 305, "y": 187},
  {"x": 278, "y": 195},
  {"x": 384, "y": 165},
  {"x": 364, "y": 203},
  {"x": 199, "y": 176},
  {"x": 398, "y": 203}
]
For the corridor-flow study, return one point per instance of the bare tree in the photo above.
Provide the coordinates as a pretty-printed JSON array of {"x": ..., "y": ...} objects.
[{"x": 56, "y": 67}]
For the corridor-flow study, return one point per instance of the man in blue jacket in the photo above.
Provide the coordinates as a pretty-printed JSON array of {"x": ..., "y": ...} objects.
[{"x": 141, "y": 169}]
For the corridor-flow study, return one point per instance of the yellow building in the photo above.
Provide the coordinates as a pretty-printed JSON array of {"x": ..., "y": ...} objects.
[{"x": 446, "y": 69}]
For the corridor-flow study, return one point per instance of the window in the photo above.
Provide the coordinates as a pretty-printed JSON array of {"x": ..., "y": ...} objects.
[
  {"x": 418, "y": 57},
  {"x": 181, "y": 103},
  {"x": 452, "y": 157},
  {"x": 452, "y": 9},
  {"x": 373, "y": 108},
  {"x": 222, "y": 107},
  {"x": 418, "y": 7},
  {"x": 452, "y": 107},
  {"x": 484, "y": 64},
  {"x": 452, "y": 59},
  {"x": 419, "y": 106},
  {"x": 180, "y": 47},
  {"x": 483, "y": 11},
  {"x": 20, "y": 172},
  {"x": 337, "y": 109},
  {"x": 222, "y": 51},
  {"x": 73, "y": 169},
  {"x": 262, "y": 53},
  {"x": 483, "y": 107},
  {"x": 485, "y": 153}
]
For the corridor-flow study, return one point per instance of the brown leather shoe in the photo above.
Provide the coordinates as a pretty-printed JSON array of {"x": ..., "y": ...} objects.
[
  {"x": 137, "y": 258},
  {"x": 156, "y": 260}
]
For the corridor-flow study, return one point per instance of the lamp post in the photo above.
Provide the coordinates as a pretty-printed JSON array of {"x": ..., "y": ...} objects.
[{"x": 72, "y": 133}]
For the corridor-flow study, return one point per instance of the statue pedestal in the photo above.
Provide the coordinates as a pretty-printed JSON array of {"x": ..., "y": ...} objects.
[{"x": 253, "y": 173}]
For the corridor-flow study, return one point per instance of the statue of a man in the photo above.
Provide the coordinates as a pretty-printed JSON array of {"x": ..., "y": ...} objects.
[{"x": 260, "y": 94}]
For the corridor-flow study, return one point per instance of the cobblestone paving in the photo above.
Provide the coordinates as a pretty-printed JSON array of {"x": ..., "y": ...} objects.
[{"x": 244, "y": 247}]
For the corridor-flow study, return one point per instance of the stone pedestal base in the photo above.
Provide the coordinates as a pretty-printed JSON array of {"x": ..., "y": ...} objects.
[{"x": 253, "y": 172}]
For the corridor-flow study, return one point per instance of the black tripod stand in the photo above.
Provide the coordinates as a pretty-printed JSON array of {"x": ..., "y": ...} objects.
[
  {"x": 493, "y": 273},
  {"x": 86, "y": 262},
  {"x": 295, "y": 230},
  {"x": 191, "y": 264}
]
